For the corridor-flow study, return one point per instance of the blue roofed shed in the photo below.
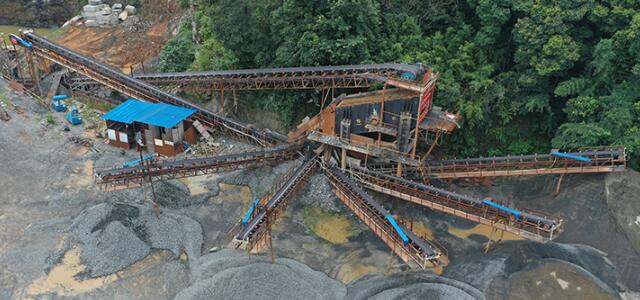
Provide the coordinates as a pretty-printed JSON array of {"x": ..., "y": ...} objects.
[
  {"x": 157, "y": 114},
  {"x": 161, "y": 126}
]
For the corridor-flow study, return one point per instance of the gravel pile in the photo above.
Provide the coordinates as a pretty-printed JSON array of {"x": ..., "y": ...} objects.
[
  {"x": 318, "y": 193},
  {"x": 114, "y": 236},
  {"x": 234, "y": 275},
  {"x": 412, "y": 286}
]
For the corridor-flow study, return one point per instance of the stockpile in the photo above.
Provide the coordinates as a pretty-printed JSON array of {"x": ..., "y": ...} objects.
[{"x": 97, "y": 13}]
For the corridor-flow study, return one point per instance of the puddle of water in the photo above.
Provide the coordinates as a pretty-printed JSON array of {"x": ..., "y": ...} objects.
[
  {"x": 62, "y": 278},
  {"x": 333, "y": 228},
  {"x": 350, "y": 272},
  {"x": 234, "y": 193},
  {"x": 486, "y": 231},
  {"x": 196, "y": 184}
]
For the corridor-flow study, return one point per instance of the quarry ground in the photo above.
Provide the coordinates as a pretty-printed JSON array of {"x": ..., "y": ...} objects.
[{"x": 62, "y": 237}]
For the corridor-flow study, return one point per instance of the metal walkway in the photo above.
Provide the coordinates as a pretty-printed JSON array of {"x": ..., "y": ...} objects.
[
  {"x": 142, "y": 90},
  {"x": 253, "y": 235},
  {"x": 529, "y": 225},
  {"x": 603, "y": 160},
  {"x": 412, "y": 249},
  {"x": 116, "y": 178},
  {"x": 324, "y": 77}
]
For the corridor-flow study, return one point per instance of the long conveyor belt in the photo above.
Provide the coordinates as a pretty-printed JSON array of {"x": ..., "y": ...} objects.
[
  {"x": 342, "y": 76},
  {"x": 530, "y": 225},
  {"x": 141, "y": 90},
  {"x": 605, "y": 160},
  {"x": 115, "y": 178},
  {"x": 252, "y": 233},
  {"x": 412, "y": 249}
]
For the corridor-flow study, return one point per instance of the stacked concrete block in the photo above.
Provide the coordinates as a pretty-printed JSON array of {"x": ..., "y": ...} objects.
[
  {"x": 98, "y": 14},
  {"x": 117, "y": 8}
]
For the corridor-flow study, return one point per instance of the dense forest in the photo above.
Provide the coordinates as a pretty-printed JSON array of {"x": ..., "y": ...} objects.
[
  {"x": 37, "y": 13},
  {"x": 526, "y": 75},
  {"x": 48, "y": 13}
]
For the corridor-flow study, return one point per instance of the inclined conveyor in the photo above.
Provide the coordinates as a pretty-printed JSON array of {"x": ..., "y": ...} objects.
[
  {"x": 402, "y": 240},
  {"x": 140, "y": 89},
  {"x": 253, "y": 229},
  {"x": 133, "y": 176},
  {"x": 530, "y": 225}
]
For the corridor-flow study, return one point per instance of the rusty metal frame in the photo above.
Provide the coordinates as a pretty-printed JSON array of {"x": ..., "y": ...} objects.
[
  {"x": 410, "y": 254},
  {"x": 449, "y": 204},
  {"x": 135, "y": 88},
  {"x": 347, "y": 76},
  {"x": 281, "y": 194},
  {"x": 604, "y": 160},
  {"x": 116, "y": 178}
]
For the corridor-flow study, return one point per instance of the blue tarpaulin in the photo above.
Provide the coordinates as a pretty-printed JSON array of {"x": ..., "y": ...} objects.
[{"x": 157, "y": 114}]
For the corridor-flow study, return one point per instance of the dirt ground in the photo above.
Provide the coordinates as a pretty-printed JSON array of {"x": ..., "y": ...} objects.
[
  {"x": 58, "y": 229},
  {"x": 118, "y": 46}
]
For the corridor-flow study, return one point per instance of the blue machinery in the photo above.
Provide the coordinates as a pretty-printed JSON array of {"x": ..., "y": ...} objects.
[
  {"x": 137, "y": 161},
  {"x": 16, "y": 39},
  {"x": 73, "y": 116},
  {"x": 399, "y": 230},
  {"x": 58, "y": 104},
  {"x": 252, "y": 208},
  {"x": 504, "y": 208},
  {"x": 571, "y": 156}
]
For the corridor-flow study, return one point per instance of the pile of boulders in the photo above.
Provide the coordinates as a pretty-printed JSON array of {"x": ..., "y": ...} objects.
[{"x": 97, "y": 13}]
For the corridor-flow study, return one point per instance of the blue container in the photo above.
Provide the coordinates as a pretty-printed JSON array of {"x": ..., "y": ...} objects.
[{"x": 60, "y": 97}]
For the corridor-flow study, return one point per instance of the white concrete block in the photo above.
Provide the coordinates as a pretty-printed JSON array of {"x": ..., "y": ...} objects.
[
  {"x": 91, "y": 23},
  {"x": 130, "y": 9}
]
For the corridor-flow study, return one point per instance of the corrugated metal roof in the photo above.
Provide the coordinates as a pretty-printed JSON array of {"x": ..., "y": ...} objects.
[{"x": 157, "y": 114}]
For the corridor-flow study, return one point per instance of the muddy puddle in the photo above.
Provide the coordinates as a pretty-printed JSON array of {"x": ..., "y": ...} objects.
[
  {"x": 234, "y": 193},
  {"x": 63, "y": 281},
  {"x": 197, "y": 184},
  {"x": 333, "y": 228},
  {"x": 484, "y": 230}
]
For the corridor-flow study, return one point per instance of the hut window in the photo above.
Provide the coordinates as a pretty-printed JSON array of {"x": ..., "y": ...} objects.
[{"x": 112, "y": 134}]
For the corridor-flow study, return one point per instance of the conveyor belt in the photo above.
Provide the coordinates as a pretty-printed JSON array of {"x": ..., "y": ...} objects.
[
  {"x": 417, "y": 251},
  {"x": 608, "y": 159},
  {"x": 132, "y": 177},
  {"x": 530, "y": 225},
  {"x": 344, "y": 76},
  {"x": 141, "y": 90},
  {"x": 254, "y": 230}
]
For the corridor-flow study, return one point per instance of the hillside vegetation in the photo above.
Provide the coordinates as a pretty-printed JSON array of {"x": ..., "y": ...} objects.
[{"x": 526, "y": 75}]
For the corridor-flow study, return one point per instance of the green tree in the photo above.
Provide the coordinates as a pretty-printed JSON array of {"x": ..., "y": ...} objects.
[{"x": 179, "y": 52}]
